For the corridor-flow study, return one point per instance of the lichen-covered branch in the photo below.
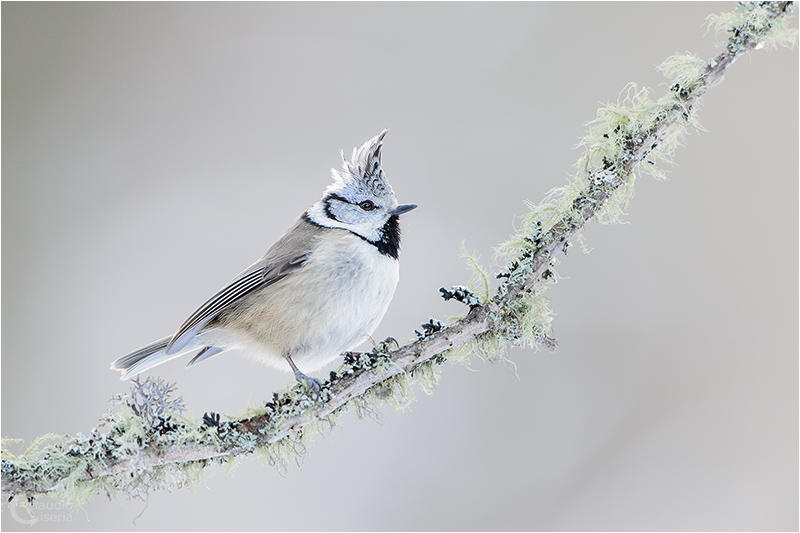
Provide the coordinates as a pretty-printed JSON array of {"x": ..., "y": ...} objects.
[{"x": 145, "y": 443}]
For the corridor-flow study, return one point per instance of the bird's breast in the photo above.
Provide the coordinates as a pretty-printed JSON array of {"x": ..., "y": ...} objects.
[
  {"x": 328, "y": 306},
  {"x": 356, "y": 278}
]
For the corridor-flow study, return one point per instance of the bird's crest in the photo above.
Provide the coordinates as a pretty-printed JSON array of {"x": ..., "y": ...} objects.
[{"x": 364, "y": 167}]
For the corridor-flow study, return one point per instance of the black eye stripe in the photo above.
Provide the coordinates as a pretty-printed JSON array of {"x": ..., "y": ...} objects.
[
  {"x": 366, "y": 205},
  {"x": 334, "y": 196},
  {"x": 327, "y": 202},
  {"x": 329, "y": 213}
]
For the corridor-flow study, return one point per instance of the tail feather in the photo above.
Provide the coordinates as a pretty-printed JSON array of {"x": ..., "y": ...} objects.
[
  {"x": 205, "y": 353},
  {"x": 144, "y": 359},
  {"x": 155, "y": 354},
  {"x": 126, "y": 361}
]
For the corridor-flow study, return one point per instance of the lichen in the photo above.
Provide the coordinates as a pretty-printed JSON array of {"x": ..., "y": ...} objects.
[
  {"x": 147, "y": 416},
  {"x": 530, "y": 318},
  {"x": 686, "y": 70},
  {"x": 395, "y": 391},
  {"x": 604, "y": 176},
  {"x": 461, "y": 294},
  {"x": 479, "y": 281},
  {"x": 754, "y": 22}
]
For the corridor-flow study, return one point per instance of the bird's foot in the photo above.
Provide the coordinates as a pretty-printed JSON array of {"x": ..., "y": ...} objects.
[
  {"x": 386, "y": 346},
  {"x": 312, "y": 384},
  {"x": 391, "y": 341}
]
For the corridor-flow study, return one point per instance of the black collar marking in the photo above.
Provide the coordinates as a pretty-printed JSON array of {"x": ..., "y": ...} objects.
[
  {"x": 389, "y": 243},
  {"x": 390, "y": 238}
]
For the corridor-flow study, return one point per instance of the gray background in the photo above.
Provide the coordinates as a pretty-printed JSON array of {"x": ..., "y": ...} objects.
[{"x": 151, "y": 151}]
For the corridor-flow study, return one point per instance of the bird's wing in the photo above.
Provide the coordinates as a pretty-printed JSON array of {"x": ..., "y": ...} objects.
[{"x": 285, "y": 257}]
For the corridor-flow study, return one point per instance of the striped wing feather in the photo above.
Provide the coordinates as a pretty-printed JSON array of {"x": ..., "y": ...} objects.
[{"x": 284, "y": 258}]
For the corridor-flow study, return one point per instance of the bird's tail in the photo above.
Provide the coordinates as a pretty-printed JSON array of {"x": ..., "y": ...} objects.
[
  {"x": 156, "y": 353},
  {"x": 144, "y": 358}
]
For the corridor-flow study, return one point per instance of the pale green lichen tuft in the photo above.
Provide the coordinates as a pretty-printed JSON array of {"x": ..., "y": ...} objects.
[
  {"x": 754, "y": 22},
  {"x": 782, "y": 36},
  {"x": 529, "y": 318},
  {"x": 460, "y": 354},
  {"x": 395, "y": 391},
  {"x": 479, "y": 281},
  {"x": 427, "y": 374},
  {"x": 686, "y": 70},
  {"x": 492, "y": 347}
]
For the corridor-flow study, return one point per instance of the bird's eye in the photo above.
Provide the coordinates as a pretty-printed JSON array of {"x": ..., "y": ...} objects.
[{"x": 366, "y": 205}]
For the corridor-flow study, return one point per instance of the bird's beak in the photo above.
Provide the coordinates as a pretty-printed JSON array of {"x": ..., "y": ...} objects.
[{"x": 405, "y": 208}]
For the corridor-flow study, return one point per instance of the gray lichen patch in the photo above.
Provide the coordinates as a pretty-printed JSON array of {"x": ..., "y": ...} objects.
[{"x": 147, "y": 417}]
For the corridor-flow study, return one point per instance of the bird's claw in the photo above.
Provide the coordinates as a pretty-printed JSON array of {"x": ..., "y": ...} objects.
[
  {"x": 389, "y": 341},
  {"x": 386, "y": 346},
  {"x": 312, "y": 384}
]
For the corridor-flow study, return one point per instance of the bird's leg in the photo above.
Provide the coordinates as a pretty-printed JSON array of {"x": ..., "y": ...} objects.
[{"x": 312, "y": 383}]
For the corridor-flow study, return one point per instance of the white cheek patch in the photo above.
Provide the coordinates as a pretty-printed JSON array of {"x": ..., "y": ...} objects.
[{"x": 318, "y": 215}]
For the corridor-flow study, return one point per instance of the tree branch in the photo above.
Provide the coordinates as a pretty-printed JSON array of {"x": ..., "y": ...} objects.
[{"x": 135, "y": 453}]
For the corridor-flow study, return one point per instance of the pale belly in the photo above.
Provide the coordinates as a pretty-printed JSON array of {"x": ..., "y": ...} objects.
[{"x": 328, "y": 307}]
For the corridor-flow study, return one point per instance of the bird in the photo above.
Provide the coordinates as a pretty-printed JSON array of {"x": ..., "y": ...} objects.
[{"x": 317, "y": 293}]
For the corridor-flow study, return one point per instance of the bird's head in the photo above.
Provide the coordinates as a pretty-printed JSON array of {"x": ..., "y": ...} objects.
[{"x": 360, "y": 198}]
